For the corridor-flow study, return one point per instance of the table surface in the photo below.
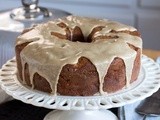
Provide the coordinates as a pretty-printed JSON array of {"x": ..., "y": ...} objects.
[{"x": 151, "y": 53}]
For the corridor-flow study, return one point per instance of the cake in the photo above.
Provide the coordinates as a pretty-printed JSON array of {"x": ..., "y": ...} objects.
[{"x": 79, "y": 56}]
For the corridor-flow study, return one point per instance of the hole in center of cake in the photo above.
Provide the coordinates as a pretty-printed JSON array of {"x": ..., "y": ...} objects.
[
  {"x": 81, "y": 36},
  {"x": 74, "y": 35}
]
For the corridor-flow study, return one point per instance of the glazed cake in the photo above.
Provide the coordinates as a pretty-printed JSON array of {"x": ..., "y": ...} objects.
[{"x": 79, "y": 56}]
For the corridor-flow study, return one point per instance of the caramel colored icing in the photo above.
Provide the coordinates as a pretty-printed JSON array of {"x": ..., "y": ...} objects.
[{"x": 47, "y": 54}]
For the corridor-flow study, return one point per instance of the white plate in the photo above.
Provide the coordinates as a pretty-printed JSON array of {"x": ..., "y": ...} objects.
[{"x": 148, "y": 82}]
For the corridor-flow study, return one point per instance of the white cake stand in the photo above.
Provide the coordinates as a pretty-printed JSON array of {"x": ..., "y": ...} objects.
[{"x": 83, "y": 108}]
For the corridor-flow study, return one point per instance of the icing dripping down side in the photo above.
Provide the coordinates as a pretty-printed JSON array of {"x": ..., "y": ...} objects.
[{"x": 47, "y": 54}]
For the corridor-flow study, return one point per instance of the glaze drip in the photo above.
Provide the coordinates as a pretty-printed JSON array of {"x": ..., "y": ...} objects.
[{"x": 47, "y": 54}]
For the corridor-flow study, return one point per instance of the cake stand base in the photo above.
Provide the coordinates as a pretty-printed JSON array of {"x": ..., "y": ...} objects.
[{"x": 80, "y": 115}]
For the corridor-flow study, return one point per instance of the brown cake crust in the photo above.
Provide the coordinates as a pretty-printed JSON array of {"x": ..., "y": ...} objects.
[{"x": 81, "y": 79}]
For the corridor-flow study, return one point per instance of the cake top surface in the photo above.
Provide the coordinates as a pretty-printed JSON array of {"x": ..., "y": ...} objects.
[
  {"x": 45, "y": 49},
  {"x": 85, "y": 24}
]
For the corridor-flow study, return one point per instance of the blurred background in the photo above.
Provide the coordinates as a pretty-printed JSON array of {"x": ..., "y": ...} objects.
[{"x": 142, "y": 14}]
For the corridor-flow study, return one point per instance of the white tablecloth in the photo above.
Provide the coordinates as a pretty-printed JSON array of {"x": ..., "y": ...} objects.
[
  {"x": 128, "y": 112},
  {"x": 7, "y": 43}
]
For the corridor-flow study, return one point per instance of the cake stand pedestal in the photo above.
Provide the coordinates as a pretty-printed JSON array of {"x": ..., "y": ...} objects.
[
  {"x": 83, "y": 108},
  {"x": 81, "y": 115}
]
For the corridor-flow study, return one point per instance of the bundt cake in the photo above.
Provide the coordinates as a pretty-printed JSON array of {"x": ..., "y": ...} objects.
[{"x": 79, "y": 56}]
